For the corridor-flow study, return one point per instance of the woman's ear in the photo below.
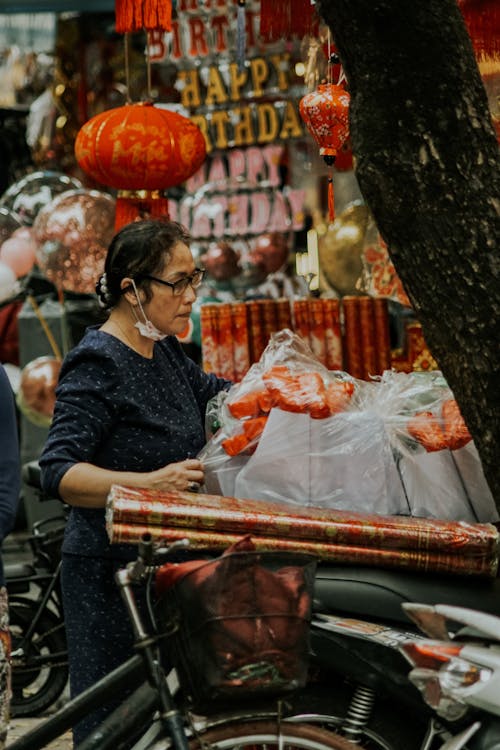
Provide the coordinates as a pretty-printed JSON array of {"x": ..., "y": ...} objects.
[{"x": 130, "y": 291}]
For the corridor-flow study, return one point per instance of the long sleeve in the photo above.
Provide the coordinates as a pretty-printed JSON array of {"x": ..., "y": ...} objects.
[{"x": 10, "y": 469}]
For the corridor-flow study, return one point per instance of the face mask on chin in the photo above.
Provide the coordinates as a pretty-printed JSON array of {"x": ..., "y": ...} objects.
[{"x": 146, "y": 328}]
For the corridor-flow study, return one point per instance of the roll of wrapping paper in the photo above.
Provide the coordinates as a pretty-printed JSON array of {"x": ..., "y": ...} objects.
[
  {"x": 241, "y": 350},
  {"x": 256, "y": 337},
  {"x": 382, "y": 334},
  {"x": 317, "y": 339},
  {"x": 284, "y": 314},
  {"x": 209, "y": 338},
  {"x": 221, "y": 513},
  {"x": 225, "y": 341},
  {"x": 333, "y": 333},
  {"x": 301, "y": 318},
  {"x": 416, "y": 560},
  {"x": 269, "y": 318},
  {"x": 353, "y": 353},
  {"x": 368, "y": 342}
]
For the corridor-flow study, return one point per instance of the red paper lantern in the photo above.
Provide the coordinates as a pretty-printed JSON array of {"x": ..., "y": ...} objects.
[
  {"x": 140, "y": 150},
  {"x": 325, "y": 112}
]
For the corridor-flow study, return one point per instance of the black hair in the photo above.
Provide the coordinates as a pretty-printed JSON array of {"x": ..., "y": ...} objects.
[{"x": 138, "y": 249}]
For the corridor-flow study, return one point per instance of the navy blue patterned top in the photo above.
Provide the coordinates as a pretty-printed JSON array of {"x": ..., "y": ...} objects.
[{"x": 121, "y": 411}]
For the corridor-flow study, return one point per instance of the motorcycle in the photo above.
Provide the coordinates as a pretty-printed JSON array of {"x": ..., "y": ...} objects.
[
  {"x": 39, "y": 652},
  {"x": 458, "y": 671},
  {"x": 359, "y": 682}
]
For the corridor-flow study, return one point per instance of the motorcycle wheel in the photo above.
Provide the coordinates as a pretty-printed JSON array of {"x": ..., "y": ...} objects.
[
  {"x": 326, "y": 706},
  {"x": 37, "y": 680},
  {"x": 268, "y": 734}
]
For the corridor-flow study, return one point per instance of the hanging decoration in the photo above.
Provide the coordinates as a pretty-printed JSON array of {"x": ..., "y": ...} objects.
[
  {"x": 135, "y": 15},
  {"x": 482, "y": 18},
  {"x": 141, "y": 150},
  {"x": 325, "y": 112},
  {"x": 287, "y": 18}
]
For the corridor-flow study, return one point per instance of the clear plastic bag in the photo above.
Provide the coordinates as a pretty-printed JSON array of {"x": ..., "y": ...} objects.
[{"x": 296, "y": 433}]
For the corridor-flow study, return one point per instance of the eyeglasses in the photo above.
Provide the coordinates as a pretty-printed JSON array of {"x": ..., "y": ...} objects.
[{"x": 179, "y": 287}]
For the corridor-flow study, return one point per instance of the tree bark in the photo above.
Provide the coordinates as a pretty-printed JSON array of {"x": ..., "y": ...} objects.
[{"x": 427, "y": 164}]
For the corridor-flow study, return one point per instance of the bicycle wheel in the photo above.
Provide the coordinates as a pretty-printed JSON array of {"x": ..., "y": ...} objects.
[
  {"x": 39, "y": 676},
  {"x": 266, "y": 734}
]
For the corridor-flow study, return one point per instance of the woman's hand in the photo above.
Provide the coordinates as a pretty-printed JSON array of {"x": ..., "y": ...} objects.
[{"x": 181, "y": 476}]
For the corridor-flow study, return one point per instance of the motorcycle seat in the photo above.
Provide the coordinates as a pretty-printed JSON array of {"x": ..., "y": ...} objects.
[{"x": 379, "y": 593}]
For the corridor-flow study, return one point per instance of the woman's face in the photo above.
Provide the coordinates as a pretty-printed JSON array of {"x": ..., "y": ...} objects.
[{"x": 168, "y": 312}]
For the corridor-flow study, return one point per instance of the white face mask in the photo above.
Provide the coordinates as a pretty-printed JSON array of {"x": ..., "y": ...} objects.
[{"x": 146, "y": 328}]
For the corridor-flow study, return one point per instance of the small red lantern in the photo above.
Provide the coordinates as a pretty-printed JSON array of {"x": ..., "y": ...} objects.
[
  {"x": 140, "y": 150},
  {"x": 325, "y": 112}
]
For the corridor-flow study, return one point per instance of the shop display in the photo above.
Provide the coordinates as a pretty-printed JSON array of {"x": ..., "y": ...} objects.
[
  {"x": 317, "y": 320},
  {"x": 215, "y": 522}
]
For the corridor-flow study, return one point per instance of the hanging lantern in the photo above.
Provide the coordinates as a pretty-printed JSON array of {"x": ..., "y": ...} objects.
[
  {"x": 141, "y": 150},
  {"x": 325, "y": 112},
  {"x": 135, "y": 15}
]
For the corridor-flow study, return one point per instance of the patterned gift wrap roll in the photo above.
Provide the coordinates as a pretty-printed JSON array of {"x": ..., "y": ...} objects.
[
  {"x": 239, "y": 330},
  {"x": 353, "y": 351},
  {"x": 417, "y": 560},
  {"x": 301, "y": 318},
  {"x": 269, "y": 318},
  {"x": 225, "y": 340},
  {"x": 382, "y": 335},
  {"x": 201, "y": 512},
  {"x": 284, "y": 314},
  {"x": 317, "y": 337},
  {"x": 333, "y": 333},
  {"x": 368, "y": 342},
  {"x": 256, "y": 336},
  {"x": 209, "y": 337}
]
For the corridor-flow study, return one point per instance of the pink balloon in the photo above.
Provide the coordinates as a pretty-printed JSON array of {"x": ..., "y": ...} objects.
[{"x": 18, "y": 252}]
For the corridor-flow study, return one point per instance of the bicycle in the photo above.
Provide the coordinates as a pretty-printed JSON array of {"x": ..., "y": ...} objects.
[
  {"x": 39, "y": 651},
  {"x": 181, "y": 708}
]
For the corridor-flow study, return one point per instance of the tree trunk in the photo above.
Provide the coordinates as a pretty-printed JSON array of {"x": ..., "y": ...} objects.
[{"x": 427, "y": 163}]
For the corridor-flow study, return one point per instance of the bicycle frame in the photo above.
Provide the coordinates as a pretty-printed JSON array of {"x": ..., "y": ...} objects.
[{"x": 153, "y": 695}]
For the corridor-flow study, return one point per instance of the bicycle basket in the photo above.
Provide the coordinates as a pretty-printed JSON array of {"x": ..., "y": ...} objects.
[{"x": 241, "y": 625}]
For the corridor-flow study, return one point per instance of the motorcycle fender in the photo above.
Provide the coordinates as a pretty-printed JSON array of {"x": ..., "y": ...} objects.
[{"x": 377, "y": 662}]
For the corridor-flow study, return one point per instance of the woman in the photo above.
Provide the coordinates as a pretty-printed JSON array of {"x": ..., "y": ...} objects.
[{"x": 130, "y": 410}]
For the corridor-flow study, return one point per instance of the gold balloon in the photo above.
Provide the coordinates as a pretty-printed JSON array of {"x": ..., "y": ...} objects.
[
  {"x": 36, "y": 396},
  {"x": 72, "y": 234},
  {"x": 340, "y": 249}
]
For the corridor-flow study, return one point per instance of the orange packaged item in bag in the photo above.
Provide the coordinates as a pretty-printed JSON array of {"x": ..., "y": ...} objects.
[
  {"x": 338, "y": 394},
  {"x": 235, "y": 444},
  {"x": 456, "y": 433},
  {"x": 247, "y": 405},
  {"x": 253, "y": 428},
  {"x": 425, "y": 428}
]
